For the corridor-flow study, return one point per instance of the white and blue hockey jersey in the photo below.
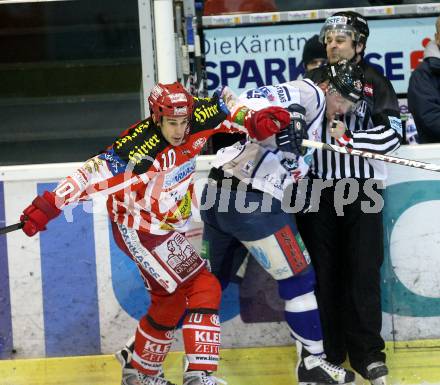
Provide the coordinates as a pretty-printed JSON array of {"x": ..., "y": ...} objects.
[{"x": 261, "y": 164}]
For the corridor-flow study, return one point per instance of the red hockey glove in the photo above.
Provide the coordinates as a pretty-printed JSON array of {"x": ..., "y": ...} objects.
[
  {"x": 39, "y": 213},
  {"x": 266, "y": 122}
]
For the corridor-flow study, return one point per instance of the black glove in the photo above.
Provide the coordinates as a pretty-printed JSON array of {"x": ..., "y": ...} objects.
[{"x": 290, "y": 138}]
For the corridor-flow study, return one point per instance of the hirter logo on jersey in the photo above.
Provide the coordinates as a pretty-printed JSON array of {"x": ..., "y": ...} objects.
[
  {"x": 368, "y": 89},
  {"x": 203, "y": 113}
]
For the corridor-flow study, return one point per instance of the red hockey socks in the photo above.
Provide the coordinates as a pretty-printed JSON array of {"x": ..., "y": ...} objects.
[
  {"x": 151, "y": 346},
  {"x": 201, "y": 336}
]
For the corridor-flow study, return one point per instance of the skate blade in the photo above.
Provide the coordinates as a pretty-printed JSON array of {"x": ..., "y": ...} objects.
[
  {"x": 379, "y": 381},
  {"x": 326, "y": 383},
  {"x": 121, "y": 359}
]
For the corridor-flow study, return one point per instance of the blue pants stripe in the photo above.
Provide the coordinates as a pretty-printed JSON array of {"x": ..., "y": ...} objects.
[
  {"x": 306, "y": 324},
  {"x": 6, "y": 342},
  {"x": 70, "y": 299}
]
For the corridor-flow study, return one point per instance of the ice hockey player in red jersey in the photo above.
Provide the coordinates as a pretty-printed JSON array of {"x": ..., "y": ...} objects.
[{"x": 147, "y": 174}]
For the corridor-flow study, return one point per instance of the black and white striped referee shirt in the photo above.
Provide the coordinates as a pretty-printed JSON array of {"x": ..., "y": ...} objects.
[{"x": 375, "y": 126}]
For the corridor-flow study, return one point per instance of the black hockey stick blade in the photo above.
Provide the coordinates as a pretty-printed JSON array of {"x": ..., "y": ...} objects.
[{"x": 10, "y": 228}]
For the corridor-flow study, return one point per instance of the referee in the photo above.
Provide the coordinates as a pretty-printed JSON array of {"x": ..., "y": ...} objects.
[{"x": 347, "y": 250}]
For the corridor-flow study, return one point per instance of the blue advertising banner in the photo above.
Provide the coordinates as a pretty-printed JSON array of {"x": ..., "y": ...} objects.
[{"x": 247, "y": 57}]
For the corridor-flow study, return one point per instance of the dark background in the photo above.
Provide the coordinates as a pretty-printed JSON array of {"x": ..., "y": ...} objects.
[{"x": 70, "y": 76}]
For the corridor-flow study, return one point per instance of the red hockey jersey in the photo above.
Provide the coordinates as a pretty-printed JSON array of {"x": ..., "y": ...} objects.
[{"x": 149, "y": 182}]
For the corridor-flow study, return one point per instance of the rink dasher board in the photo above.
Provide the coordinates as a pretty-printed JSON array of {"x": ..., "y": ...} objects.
[{"x": 80, "y": 304}]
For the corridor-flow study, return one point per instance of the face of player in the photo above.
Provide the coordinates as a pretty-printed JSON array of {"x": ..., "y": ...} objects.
[
  {"x": 336, "y": 104},
  {"x": 174, "y": 128},
  {"x": 339, "y": 46},
  {"x": 315, "y": 63}
]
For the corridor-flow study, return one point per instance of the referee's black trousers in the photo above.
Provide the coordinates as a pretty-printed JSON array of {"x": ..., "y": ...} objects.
[{"x": 347, "y": 253}]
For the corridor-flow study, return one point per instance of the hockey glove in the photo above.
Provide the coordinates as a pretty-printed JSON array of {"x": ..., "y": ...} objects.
[
  {"x": 228, "y": 96},
  {"x": 36, "y": 216},
  {"x": 290, "y": 138},
  {"x": 266, "y": 122}
]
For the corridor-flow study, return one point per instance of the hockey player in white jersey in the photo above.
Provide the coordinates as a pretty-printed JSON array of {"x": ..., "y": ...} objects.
[{"x": 243, "y": 205}]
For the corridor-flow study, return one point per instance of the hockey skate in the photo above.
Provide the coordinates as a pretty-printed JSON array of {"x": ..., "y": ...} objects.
[
  {"x": 377, "y": 372},
  {"x": 132, "y": 376},
  {"x": 201, "y": 378},
  {"x": 124, "y": 355},
  {"x": 314, "y": 370}
]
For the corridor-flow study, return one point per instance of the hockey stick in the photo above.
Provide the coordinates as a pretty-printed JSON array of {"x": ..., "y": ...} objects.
[
  {"x": 371, "y": 155},
  {"x": 10, "y": 228}
]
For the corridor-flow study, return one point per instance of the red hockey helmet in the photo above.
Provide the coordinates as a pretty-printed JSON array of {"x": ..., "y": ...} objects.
[{"x": 170, "y": 100}]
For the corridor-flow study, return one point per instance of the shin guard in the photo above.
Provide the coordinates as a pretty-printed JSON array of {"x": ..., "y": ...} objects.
[
  {"x": 301, "y": 310},
  {"x": 151, "y": 346},
  {"x": 201, "y": 336}
]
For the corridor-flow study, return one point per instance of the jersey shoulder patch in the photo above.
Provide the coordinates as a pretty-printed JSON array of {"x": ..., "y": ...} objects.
[
  {"x": 396, "y": 124},
  {"x": 115, "y": 164}
]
